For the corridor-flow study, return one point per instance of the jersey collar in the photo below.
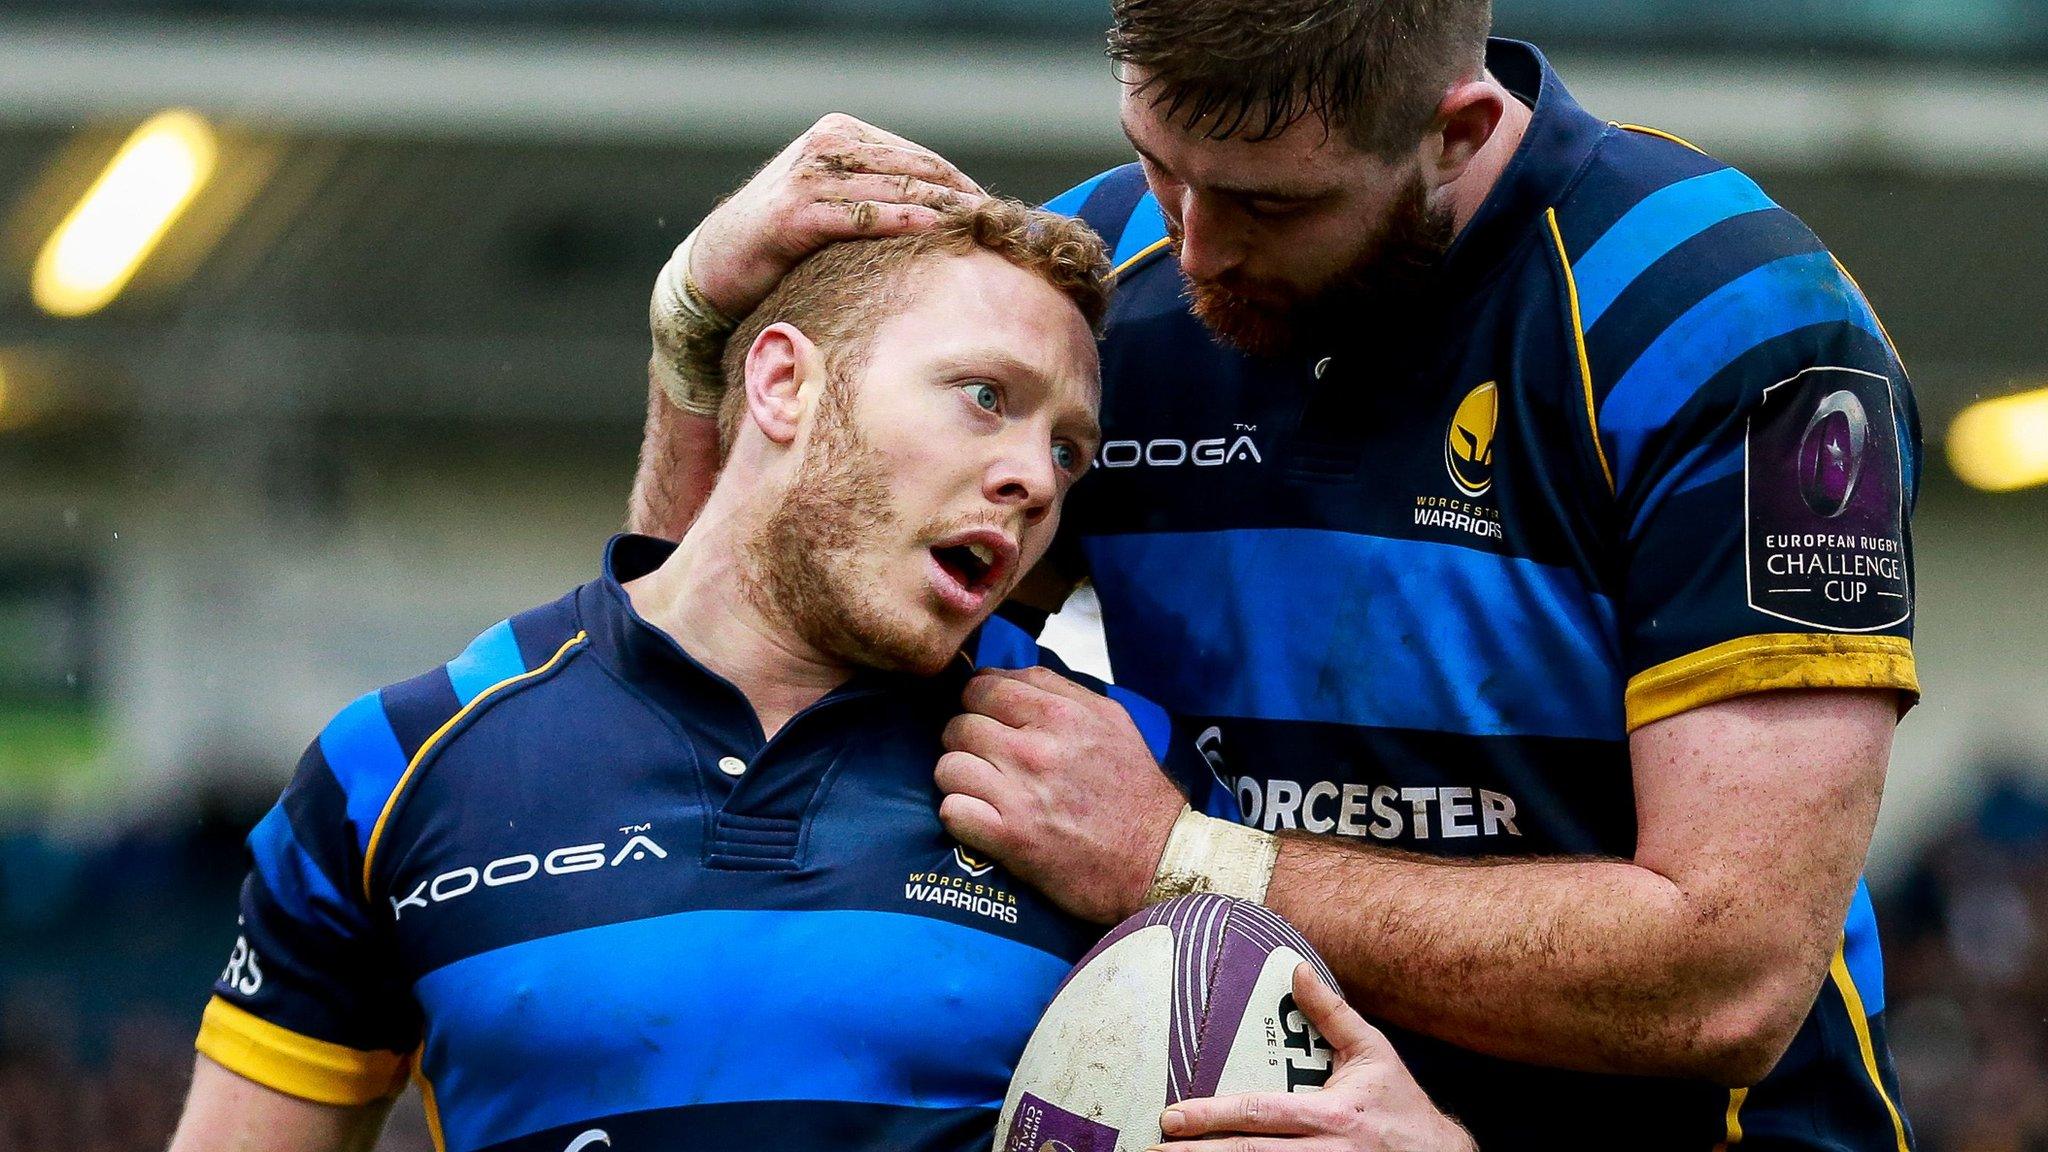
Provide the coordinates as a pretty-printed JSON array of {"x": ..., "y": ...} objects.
[
  {"x": 1560, "y": 139},
  {"x": 652, "y": 659}
]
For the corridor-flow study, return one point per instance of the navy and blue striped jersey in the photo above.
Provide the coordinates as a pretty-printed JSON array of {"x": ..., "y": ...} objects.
[
  {"x": 564, "y": 883},
  {"x": 1641, "y": 446}
]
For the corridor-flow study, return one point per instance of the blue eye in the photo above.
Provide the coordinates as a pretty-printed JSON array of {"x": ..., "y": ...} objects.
[
  {"x": 1065, "y": 457},
  {"x": 984, "y": 395}
]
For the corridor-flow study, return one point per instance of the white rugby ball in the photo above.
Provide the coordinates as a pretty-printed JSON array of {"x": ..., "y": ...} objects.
[{"x": 1190, "y": 998}]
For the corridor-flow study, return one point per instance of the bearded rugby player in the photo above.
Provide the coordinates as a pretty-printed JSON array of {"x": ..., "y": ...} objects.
[
  {"x": 659, "y": 865},
  {"x": 1517, "y": 504}
]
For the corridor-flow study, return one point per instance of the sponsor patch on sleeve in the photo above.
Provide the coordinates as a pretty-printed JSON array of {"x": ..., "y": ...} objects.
[{"x": 1824, "y": 518}]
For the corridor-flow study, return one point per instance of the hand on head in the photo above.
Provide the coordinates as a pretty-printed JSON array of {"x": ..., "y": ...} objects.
[{"x": 841, "y": 180}]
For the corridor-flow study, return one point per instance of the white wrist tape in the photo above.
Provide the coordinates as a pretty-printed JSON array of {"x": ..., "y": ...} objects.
[
  {"x": 689, "y": 335},
  {"x": 678, "y": 292},
  {"x": 1204, "y": 854}
]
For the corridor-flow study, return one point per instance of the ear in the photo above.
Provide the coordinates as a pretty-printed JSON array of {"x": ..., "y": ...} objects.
[
  {"x": 1466, "y": 120},
  {"x": 780, "y": 364}
]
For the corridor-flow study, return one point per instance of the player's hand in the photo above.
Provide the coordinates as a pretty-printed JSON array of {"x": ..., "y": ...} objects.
[
  {"x": 1056, "y": 782},
  {"x": 841, "y": 180},
  {"x": 1369, "y": 1104}
]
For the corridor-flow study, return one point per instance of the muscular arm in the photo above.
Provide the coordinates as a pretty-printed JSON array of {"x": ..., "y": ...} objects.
[
  {"x": 227, "y": 1113},
  {"x": 1700, "y": 956},
  {"x": 678, "y": 462}
]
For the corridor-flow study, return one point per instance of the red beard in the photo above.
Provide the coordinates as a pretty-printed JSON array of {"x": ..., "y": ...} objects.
[{"x": 1387, "y": 278}]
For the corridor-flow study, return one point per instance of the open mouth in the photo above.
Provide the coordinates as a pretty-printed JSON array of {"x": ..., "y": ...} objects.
[{"x": 972, "y": 565}]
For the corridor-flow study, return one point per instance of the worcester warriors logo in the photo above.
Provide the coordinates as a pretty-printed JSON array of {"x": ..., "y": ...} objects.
[
  {"x": 1468, "y": 445},
  {"x": 971, "y": 864},
  {"x": 963, "y": 882}
]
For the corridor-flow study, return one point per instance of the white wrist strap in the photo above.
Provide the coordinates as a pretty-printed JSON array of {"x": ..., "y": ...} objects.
[
  {"x": 1204, "y": 854},
  {"x": 679, "y": 292},
  {"x": 689, "y": 335}
]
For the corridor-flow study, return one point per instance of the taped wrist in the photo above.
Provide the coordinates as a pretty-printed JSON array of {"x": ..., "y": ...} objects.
[
  {"x": 689, "y": 337},
  {"x": 1204, "y": 854}
]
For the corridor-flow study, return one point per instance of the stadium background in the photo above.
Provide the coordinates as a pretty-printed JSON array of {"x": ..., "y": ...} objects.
[{"x": 380, "y": 385}]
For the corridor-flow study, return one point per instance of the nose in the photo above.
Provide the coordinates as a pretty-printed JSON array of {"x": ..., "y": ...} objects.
[
  {"x": 1207, "y": 248},
  {"x": 1024, "y": 477}
]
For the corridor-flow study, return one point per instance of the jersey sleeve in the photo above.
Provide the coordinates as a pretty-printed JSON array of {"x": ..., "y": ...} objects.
[
  {"x": 311, "y": 1003},
  {"x": 1762, "y": 444},
  {"x": 1003, "y": 644},
  {"x": 1122, "y": 210}
]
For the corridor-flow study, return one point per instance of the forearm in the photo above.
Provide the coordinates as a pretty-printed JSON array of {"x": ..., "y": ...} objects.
[
  {"x": 1600, "y": 965},
  {"x": 678, "y": 463},
  {"x": 1700, "y": 956},
  {"x": 227, "y": 1113}
]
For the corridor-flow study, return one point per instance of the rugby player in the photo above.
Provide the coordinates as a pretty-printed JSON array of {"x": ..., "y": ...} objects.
[
  {"x": 1516, "y": 504},
  {"x": 659, "y": 865}
]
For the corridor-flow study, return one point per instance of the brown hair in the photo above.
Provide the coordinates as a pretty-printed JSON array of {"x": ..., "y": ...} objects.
[
  {"x": 839, "y": 295},
  {"x": 1374, "y": 70}
]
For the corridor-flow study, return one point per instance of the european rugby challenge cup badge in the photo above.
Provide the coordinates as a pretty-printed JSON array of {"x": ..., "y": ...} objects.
[{"x": 1825, "y": 516}]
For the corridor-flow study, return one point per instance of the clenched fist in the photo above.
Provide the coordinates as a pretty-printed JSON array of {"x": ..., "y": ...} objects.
[{"x": 1056, "y": 782}]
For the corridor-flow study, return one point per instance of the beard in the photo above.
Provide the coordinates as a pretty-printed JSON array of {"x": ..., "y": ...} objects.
[
  {"x": 808, "y": 568},
  {"x": 1382, "y": 283}
]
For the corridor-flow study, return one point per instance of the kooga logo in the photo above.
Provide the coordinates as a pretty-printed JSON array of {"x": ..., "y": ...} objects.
[
  {"x": 1167, "y": 453},
  {"x": 525, "y": 866}
]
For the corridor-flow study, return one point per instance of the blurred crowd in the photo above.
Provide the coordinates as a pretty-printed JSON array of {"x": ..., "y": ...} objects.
[
  {"x": 108, "y": 955},
  {"x": 1967, "y": 976}
]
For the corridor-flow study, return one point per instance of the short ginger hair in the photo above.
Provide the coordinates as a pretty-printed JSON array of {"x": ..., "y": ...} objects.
[{"x": 839, "y": 296}]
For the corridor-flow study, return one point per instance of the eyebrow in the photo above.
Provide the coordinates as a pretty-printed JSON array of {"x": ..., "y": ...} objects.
[
  {"x": 1269, "y": 192},
  {"x": 981, "y": 363},
  {"x": 1089, "y": 428}
]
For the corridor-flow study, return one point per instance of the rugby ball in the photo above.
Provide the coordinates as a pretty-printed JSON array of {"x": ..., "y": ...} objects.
[{"x": 1190, "y": 998}]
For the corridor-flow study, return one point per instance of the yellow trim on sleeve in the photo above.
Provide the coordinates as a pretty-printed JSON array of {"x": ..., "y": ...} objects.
[
  {"x": 1140, "y": 254},
  {"x": 391, "y": 801},
  {"x": 1769, "y": 663},
  {"x": 1860, "y": 1022},
  {"x": 1662, "y": 135},
  {"x": 428, "y": 1103},
  {"x": 1571, "y": 288},
  {"x": 279, "y": 1058},
  {"x": 1735, "y": 1098}
]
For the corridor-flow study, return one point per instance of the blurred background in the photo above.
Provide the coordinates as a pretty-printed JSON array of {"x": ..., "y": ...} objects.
[{"x": 322, "y": 347}]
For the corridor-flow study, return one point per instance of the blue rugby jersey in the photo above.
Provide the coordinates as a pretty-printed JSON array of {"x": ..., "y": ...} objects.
[
  {"x": 564, "y": 883},
  {"x": 1644, "y": 447}
]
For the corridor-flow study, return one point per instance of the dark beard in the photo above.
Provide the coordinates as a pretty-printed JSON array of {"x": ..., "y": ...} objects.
[
  {"x": 1383, "y": 285},
  {"x": 801, "y": 568}
]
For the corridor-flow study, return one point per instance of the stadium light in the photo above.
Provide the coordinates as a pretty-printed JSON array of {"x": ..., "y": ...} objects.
[
  {"x": 96, "y": 250},
  {"x": 2001, "y": 445}
]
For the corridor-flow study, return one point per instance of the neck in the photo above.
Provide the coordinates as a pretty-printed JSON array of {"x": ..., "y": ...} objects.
[
  {"x": 1470, "y": 190},
  {"x": 699, "y": 597}
]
